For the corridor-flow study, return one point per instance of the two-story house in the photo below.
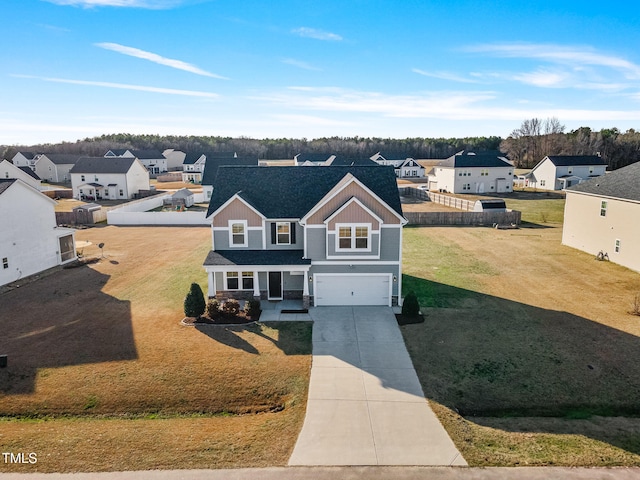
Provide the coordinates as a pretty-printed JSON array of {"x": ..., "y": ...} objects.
[
  {"x": 28, "y": 176},
  {"x": 468, "y": 172},
  {"x": 30, "y": 240},
  {"x": 405, "y": 167},
  {"x": 50, "y": 167},
  {"x": 328, "y": 236},
  {"x": 557, "y": 172},
  {"x": 108, "y": 178},
  {"x": 603, "y": 215},
  {"x": 153, "y": 160}
]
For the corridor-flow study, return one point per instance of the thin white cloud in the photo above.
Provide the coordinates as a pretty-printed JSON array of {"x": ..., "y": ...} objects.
[
  {"x": 300, "y": 64},
  {"x": 543, "y": 78},
  {"x": 317, "y": 34},
  {"x": 146, "y": 4},
  {"x": 444, "y": 76},
  {"x": 124, "y": 86},
  {"x": 567, "y": 55},
  {"x": 155, "y": 58}
]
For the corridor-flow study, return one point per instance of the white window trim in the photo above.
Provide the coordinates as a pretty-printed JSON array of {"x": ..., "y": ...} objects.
[
  {"x": 353, "y": 227},
  {"x": 278, "y": 242},
  {"x": 246, "y": 234}
]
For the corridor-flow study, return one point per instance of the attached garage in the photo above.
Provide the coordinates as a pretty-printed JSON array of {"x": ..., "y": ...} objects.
[{"x": 352, "y": 289}]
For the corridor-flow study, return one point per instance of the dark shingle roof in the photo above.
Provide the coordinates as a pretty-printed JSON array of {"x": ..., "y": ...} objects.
[
  {"x": 622, "y": 183},
  {"x": 347, "y": 161},
  {"x": 211, "y": 167},
  {"x": 313, "y": 157},
  {"x": 191, "y": 158},
  {"x": 147, "y": 154},
  {"x": 290, "y": 192},
  {"x": 62, "y": 158},
  {"x": 30, "y": 172},
  {"x": 6, "y": 183},
  {"x": 256, "y": 257},
  {"x": 479, "y": 160},
  {"x": 103, "y": 165},
  {"x": 573, "y": 160}
]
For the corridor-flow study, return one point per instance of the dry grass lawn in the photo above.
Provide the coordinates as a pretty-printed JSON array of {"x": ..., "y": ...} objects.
[
  {"x": 528, "y": 352},
  {"x": 96, "y": 352}
]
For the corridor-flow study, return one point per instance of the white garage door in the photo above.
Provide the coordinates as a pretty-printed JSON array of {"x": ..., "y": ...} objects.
[{"x": 352, "y": 289}]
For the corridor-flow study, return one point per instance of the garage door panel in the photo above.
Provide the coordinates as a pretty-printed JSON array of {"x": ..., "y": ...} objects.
[{"x": 336, "y": 289}]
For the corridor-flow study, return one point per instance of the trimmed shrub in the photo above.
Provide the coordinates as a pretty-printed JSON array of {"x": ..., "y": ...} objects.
[
  {"x": 252, "y": 308},
  {"x": 213, "y": 309},
  {"x": 410, "y": 306},
  {"x": 194, "y": 304},
  {"x": 231, "y": 307}
]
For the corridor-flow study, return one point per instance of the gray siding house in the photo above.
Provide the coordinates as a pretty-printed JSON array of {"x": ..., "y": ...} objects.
[{"x": 328, "y": 236}]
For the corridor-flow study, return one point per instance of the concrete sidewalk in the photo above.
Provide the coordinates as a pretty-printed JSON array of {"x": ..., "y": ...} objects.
[
  {"x": 366, "y": 405},
  {"x": 349, "y": 473}
]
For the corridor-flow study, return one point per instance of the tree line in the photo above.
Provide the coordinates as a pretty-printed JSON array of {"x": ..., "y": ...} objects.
[{"x": 525, "y": 146}]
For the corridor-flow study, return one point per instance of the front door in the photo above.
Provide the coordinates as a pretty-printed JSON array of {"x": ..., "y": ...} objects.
[{"x": 275, "y": 285}]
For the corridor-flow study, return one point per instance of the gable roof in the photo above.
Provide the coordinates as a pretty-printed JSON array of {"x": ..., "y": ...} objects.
[
  {"x": 623, "y": 183},
  {"x": 28, "y": 155},
  {"x": 313, "y": 157},
  {"x": 347, "y": 162},
  {"x": 192, "y": 157},
  {"x": 62, "y": 158},
  {"x": 573, "y": 160},
  {"x": 291, "y": 192},
  {"x": 103, "y": 165},
  {"x": 211, "y": 166},
  {"x": 5, "y": 183},
  {"x": 30, "y": 172},
  {"x": 142, "y": 154},
  {"x": 476, "y": 160}
]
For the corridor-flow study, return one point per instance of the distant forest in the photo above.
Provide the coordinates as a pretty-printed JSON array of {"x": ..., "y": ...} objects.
[{"x": 526, "y": 145}]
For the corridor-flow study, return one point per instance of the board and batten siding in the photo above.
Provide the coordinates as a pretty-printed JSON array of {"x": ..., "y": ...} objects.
[
  {"x": 352, "y": 190},
  {"x": 354, "y": 213},
  {"x": 237, "y": 210}
]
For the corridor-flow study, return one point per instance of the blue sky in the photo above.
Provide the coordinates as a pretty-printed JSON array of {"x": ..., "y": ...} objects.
[{"x": 78, "y": 68}]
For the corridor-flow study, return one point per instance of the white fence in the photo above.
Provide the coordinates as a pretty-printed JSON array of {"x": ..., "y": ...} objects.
[{"x": 137, "y": 213}]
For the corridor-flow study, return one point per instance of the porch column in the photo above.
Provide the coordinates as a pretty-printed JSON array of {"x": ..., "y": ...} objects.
[
  {"x": 212, "y": 285},
  {"x": 256, "y": 286},
  {"x": 305, "y": 284}
]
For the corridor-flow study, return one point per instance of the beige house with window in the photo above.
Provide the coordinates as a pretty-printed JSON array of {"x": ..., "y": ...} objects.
[{"x": 603, "y": 215}]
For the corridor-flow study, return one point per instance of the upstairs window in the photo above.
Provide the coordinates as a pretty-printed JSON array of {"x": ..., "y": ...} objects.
[
  {"x": 283, "y": 233},
  {"x": 82, "y": 178},
  {"x": 354, "y": 237},
  {"x": 5, "y": 262},
  {"x": 617, "y": 246},
  {"x": 603, "y": 208},
  {"x": 237, "y": 233}
]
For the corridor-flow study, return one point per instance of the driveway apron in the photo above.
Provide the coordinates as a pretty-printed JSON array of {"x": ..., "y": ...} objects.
[{"x": 366, "y": 405}]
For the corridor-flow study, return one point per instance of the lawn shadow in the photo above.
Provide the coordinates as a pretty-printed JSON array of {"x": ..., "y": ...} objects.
[
  {"x": 60, "y": 321},
  {"x": 292, "y": 338},
  {"x": 485, "y": 356}
]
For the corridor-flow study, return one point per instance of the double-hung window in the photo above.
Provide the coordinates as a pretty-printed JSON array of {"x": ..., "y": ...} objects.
[
  {"x": 354, "y": 237},
  {"x": 283, "y": 233},
  {"x": 603, "y": 208},
  {"x": 239, "y": 281},
  {"x": 238, "y": 233}
]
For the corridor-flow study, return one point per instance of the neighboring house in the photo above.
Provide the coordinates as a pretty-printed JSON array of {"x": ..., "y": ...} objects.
[
  {"x": 153, "y": 160},
  {"x": 322, "y": 160},
  {"x": 55, "y": 167},
  {"x": 211, "y": 170},
  {"x": 28, "y": 176},
  {"x": 174, "y": 159},
  {"x": 603, "y": 215},
  {"x": 329, "y": 236},
  {"x": 33, "y": 242},
  {"x": 557, "y": 172},
  {"x": 467, "y": 172},
  {"x": 405, "y": 167},
  {"x": 193, "y": 167},
  {"x": 107, "y": 178},
  {"x": 308, "y": 159},
  {"x": 25, "y": 159}
]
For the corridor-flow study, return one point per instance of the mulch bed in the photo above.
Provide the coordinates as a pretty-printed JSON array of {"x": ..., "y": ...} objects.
[
  {"x": 406, "y": 320},
  {"x": 240, "y": 319}
]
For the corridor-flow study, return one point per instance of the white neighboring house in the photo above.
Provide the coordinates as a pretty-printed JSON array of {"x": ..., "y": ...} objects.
[
  {"x": 26, "y": 159},
  {"x": 33, "y": 242},
  {"x": 405, "y": 167},
  {"x": 153, "y": 160},
  {"x": 557, "y": 172},
  {"x": 473, "y": 173},
  {"x": 28, "y": 176},
  {"x": 193, "y": 167},
  {"x": 603, "y": 214},
  {"x": 105, "y": 178},
  {"x": 175, "y": 158}
]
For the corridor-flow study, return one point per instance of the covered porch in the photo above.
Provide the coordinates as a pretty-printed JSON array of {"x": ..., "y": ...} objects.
[{"x": 273, "y": 275}]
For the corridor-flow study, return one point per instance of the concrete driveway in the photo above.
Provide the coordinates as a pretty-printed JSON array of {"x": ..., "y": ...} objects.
[{"x": 366, "y": 405}]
